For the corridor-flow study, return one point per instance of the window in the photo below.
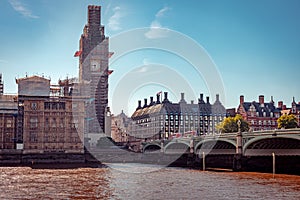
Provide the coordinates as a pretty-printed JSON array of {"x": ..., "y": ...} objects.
[
  {"x": 33, "y": 106},
  {"x": 8, "y": 123},
  {"x": 46, "y": 122},
  {"x": 75, "y": 123},
  {"x": 46, "y": 105},
  {"x": 33, "y": 122},
  {"x": 53, "y": 125},
  {"x": 62, "y": 123},
  {"x": 33, "y": 137},
  {"x": 62, "y": 105}
]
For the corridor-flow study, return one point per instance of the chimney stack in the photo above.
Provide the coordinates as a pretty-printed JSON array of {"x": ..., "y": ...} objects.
[
  {"x": 280, "y": 104},
  {"x": 166, "y": 96},
  {"x": 139, "y": 105},
  {"x": 283, "y": 107},
  {"x": 207, "y": 99},
  {"x": 217, "y": 97},
  {"x": 261, "y": 99},
  {"x": 157, "y": 98},
  {"x": 145, "y": 103},
  {"x": 201, "y": 97},
  {"x": 182, "y": 96},
  {"x": 151, "y": 101},
  {"x": 242, "y": 100},
  {"x": 192, "y": 102}
]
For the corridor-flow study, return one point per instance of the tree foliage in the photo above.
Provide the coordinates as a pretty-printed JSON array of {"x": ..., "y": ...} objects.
[
  {"x": 287, "y": 121},
  {"x": 230, "y": 124}
]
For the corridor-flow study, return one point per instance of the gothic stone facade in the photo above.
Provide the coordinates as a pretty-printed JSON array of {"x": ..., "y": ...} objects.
[{"x": 93, "y": 70}]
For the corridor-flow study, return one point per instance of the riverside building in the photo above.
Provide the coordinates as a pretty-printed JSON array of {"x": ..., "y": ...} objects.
[
  {"x": 49, "y": 118},
  {"x": 166, "y": 120}
]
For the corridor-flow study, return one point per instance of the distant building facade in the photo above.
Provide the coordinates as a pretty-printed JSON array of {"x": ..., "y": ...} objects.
[
  {"x": 295, "y": 110},
  {"x": 120, "y": 127},
  {"x": 8, "y": 118},
  {"x": 260, "y": 115},
  {"x": 48, "y": 120},
  {"x": 1, "y": 85},
  {"x": 165, "y": 120}
]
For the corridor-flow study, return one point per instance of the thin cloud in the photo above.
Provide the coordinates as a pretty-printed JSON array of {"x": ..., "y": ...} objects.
[
  {"x": 107, "y": 9},
  {"x": 114, "y": 20},
  {"x": 156, "y": 29},
  {"x": 162, "y": 11},
  {"x": 22, "y": 9}
]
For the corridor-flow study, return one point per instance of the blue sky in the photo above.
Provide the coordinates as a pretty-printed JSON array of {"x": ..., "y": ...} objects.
[{"x": 254, "y": 44}]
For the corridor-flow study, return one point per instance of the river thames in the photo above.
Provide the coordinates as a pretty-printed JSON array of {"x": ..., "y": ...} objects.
[{"x": 146, "y": 182}]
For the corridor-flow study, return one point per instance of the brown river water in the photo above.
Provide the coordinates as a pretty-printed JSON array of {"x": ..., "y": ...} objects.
[{"x": 137, "y": 181}]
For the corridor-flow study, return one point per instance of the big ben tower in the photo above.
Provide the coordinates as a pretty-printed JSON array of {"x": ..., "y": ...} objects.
[{"x": 93, "y": 70}]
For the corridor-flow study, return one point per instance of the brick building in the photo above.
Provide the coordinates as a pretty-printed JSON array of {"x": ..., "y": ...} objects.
[
  {"x": 260, "y": 115},
  {"x": 50, "y": 119},
  {"x": 295, "y": 109},
  {"x": 165, "y": 119},
  {"x": 8, "y": 117}
]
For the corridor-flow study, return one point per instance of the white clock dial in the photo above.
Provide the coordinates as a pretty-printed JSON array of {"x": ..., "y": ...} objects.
[{"x": 95, "y": 65}]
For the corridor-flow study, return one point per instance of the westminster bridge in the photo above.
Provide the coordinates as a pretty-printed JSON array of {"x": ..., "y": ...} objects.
[{"x": 235, "y": 149}]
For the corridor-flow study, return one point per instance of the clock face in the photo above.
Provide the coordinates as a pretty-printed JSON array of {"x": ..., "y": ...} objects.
[{"x": 95, "y": 65}]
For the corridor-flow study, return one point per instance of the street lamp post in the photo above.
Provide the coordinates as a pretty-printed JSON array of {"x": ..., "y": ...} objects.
[
  {"x": 239, "y": 148},
  {"x": 237, "y": 162}
]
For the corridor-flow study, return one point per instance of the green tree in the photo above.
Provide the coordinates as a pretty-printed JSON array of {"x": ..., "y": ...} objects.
[
  {"x": 287, "y": 121},
  {"x": 230, "y": 124}
]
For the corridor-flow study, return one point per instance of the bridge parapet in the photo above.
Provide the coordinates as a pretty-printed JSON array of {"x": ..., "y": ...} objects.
[{"x": 230, "y": 139}]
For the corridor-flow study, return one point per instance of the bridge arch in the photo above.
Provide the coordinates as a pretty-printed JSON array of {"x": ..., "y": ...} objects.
[
  {"x": 179, "y": 147},
  {"x": 151, "y": 147},
  {"x": 216, "y": 146},
  {"x": 266, "y": 145}
]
